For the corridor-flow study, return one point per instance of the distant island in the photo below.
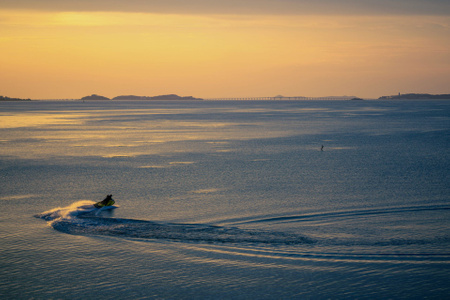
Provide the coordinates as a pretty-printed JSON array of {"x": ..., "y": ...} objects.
[
  {"x": 95, "y": 97},
  {"x": 3, "y": 98},
  {"x": 416, "y": 96},
  {"x": 134, "y": 97}
]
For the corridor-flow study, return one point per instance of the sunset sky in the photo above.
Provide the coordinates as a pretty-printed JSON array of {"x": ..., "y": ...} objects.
[{"x": 216, "y": 48}]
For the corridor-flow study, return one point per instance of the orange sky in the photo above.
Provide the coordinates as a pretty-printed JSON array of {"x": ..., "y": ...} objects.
[{"x": 71, "y": 53}]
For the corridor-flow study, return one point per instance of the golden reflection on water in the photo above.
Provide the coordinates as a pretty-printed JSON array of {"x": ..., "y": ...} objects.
[
  {"x": 16, "y": 197},
  {"x": 114, "y": 134},
  {"x": 27, "y": 120}
]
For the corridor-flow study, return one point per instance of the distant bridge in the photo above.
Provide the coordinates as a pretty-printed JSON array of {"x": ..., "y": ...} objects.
[{"x": 285, "y": 98}]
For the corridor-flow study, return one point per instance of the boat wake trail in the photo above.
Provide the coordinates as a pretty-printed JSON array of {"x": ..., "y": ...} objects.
[
  {"x": 343, "y": 215},
  {"x": 79, "y": 219}
]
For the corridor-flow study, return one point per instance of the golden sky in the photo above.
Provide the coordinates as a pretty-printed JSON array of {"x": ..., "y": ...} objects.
[{"x": 277, "y": 47}]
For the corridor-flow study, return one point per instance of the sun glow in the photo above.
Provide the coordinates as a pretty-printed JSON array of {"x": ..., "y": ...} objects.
[{"x": 71, "y": 54}]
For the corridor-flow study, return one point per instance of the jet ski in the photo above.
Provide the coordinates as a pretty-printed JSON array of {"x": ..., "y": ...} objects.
[{"x": 108, "y": 201}]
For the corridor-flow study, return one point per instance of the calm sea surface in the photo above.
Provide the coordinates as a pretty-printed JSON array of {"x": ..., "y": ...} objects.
[{"x": 225, "y": 200}]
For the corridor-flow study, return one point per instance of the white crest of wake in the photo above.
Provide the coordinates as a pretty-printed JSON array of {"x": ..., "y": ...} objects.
[{"x": 73, "y": 210}]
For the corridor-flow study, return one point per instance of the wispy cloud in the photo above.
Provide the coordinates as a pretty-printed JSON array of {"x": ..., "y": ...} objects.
[{"x": 365, "y": 7}]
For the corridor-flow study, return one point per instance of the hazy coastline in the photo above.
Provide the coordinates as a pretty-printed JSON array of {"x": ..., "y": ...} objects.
[{"x": 170, "y": 97}]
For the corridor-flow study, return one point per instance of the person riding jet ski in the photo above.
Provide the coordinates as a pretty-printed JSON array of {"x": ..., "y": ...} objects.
[{"x": 108, "y": 201}]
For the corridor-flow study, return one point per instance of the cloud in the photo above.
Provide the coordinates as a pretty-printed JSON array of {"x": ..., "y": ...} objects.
[{"x": 270, "y": 7}]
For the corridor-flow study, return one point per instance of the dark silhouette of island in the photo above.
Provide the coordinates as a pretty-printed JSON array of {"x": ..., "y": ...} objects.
[
  {"x": 160, "y": 97},
  {"x": 416, "y": 96},
  {"x": 3, "y": 98},
  {"x": 409, "y": 96},
  {"x": 95, "y": 97}
]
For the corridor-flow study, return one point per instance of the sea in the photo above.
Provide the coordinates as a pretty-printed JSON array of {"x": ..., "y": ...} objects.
[{"x": 225, "y": 199}]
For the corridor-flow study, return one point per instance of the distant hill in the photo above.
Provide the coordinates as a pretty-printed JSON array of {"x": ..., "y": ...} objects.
[
  {"x": 160, "y": 97},
  {"x": 3, "y": 98},
  {"x": 95, "y": 97},
  {"x": 416, "y": 96}
]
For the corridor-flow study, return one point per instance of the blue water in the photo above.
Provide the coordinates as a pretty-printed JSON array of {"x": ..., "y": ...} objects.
[{"x": 225, "y": 200}]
